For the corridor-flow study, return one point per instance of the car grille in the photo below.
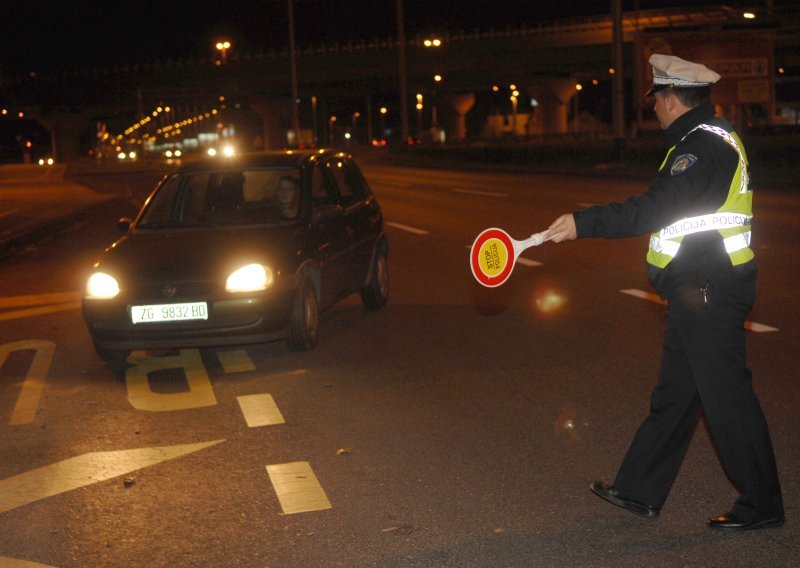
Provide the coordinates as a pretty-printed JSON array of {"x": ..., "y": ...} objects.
[{"x": 182, "y": 290}]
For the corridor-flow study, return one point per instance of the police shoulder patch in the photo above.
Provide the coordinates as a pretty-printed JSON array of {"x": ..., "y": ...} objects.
[{"x": 682, "y": 163}]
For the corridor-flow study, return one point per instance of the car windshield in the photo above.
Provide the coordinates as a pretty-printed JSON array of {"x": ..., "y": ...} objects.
[{"x": 255, "y": 196}]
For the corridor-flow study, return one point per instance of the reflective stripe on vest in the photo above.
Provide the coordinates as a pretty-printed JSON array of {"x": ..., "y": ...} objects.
[
  {"x": 732, "y": 220},
  {"x": 744, "y": 182}
]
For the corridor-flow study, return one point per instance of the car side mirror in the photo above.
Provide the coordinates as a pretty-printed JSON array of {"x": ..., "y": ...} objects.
[
  {"x": 327, "y": 213},
  {"x": 124, "y": 225}
]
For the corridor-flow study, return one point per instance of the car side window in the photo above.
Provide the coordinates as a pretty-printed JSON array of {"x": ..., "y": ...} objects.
[
  {"x": 322, "y": 192},
  {"x": 347, "y": 181}
]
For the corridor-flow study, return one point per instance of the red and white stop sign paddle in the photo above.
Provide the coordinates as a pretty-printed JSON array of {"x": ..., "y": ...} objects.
[{"x": 494, "y": 254}]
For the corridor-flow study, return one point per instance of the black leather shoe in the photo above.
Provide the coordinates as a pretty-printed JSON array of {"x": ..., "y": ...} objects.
[
  {"x": 730, "y": 522},
  {"x": 607, "y": 492}
]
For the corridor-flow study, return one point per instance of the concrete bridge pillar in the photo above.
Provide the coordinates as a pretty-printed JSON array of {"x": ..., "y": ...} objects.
[
  {"x": 553, "y": 96},
  {"x": 275, "y": 115},
  {"x": 456, "y": 120},
  {"x": 65, "y": 134}
]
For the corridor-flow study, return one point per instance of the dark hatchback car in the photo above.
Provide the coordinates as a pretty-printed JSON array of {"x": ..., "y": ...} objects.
[{"x": 241, "y": 250}]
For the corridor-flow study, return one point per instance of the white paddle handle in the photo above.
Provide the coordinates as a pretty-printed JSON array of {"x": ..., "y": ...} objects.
[{"x": 536, "y": 239}]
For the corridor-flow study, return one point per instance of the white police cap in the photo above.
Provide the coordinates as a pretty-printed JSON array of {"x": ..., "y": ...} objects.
[{"x": 670, "y": 71}]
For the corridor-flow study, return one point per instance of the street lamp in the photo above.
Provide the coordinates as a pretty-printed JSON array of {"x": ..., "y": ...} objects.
[
  {"x": 223, "y": 47},
  {"x": 331, "y": 125},
  {"x": 384, "y": 110},
  {"x": 314, "y": 113},
  {"x": 434, "y": 118},
  {"x": 419, "y": 116},
  {"x": 514, "y": 96},
  {"x": 356, "y": 116}
]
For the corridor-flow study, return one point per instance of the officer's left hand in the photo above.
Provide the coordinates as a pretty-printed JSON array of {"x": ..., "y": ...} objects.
[{"x": 562, "y": 229}]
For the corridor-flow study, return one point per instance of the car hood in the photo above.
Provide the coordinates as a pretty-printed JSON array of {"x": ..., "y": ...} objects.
[{"x": 200, "y": 255}]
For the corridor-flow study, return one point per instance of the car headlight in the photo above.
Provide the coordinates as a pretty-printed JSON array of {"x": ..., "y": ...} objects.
[
  {"x": 101, "y": 286},
  {"x": 249, "y": 278}
]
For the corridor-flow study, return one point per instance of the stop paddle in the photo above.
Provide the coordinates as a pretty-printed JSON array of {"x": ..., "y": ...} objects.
[{"x": 494, "y": 253}]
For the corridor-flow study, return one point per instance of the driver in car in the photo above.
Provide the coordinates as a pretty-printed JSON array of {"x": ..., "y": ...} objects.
[{"x": 287, "y": 197}]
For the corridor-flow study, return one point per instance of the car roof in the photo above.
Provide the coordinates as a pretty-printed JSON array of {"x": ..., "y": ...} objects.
[{"x": 272, "y": 159}]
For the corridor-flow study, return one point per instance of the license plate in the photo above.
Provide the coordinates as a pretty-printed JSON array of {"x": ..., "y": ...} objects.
[{"x": 169, "y": 312}]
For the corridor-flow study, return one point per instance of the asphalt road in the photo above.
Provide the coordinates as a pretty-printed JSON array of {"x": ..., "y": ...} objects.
[{"x": 459, "y": 426}]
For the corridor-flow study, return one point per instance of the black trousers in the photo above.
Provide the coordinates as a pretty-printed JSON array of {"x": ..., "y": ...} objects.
[{"x": 703, "y": 368}]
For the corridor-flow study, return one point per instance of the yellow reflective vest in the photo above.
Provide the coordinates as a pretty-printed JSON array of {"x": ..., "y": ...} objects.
[{"x": 733, "y": 219}]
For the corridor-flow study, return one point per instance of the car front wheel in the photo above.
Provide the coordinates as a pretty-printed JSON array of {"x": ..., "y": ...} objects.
[
  {"x": 376, "y": 293},
  {"x": 304, "y": 323}
]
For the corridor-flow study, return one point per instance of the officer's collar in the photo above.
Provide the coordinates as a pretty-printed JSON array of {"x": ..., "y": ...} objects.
[{"x": 681, "y": 126}]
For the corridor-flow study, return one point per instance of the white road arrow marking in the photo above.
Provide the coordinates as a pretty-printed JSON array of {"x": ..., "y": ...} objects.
[{"x": 83, "y": 470}]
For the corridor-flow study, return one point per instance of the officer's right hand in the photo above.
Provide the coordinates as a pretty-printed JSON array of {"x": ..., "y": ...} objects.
[{"x": 562, "y": 229}]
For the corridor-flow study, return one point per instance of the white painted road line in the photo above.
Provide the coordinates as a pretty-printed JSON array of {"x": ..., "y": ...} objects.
[
  {"x": 7, "y": 562},
  {"x": 40, "y": 311},
  {"x": 84, "y": 470},
  {"x": 62, "y": 301},
  {"x": 260, "y": 410},
  {"x": 39, "y": 299},
  {"x": 33, "y": 386},
  {"x": 750, "y": 325},
  {"x": 297, "y": 488},
  {"x": 759, "y": 327},
  {"x": 407, "y": 228},
  {"x": 641, "y": 294},
  {"x": 237, "y": 361},
  {"x": 479, "y": 193}
]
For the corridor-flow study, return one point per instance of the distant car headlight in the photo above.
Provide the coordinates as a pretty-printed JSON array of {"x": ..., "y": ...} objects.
[
  {"x": 101, "y": 286},
  {"x": 229, "y": 151},
  {"x": 249, "y": 278}
]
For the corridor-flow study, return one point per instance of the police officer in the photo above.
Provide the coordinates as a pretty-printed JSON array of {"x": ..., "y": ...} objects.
[{"x": 699, "y": 211}]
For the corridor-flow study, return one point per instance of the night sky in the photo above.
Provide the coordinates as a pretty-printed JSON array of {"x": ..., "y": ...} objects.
[{"x": 45, "y": 35}]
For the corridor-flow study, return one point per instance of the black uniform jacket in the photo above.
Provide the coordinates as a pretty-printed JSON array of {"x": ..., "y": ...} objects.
[{"x": 697, "y": 185}]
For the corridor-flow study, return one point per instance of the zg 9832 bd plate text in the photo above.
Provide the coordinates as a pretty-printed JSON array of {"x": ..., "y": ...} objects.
[{"x": 169, "y": 312}]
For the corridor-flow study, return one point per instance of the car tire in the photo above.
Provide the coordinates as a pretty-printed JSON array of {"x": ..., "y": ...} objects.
[
  {"x": 376, "y": 293},
  {"x": 304, "y": 323}
]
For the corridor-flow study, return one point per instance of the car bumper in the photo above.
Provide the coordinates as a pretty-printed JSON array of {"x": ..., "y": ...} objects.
[{"x": 230, "y": 322}]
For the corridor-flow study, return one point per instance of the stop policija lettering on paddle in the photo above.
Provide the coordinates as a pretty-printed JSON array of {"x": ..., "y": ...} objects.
[{"x": 492, "y": 258}]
